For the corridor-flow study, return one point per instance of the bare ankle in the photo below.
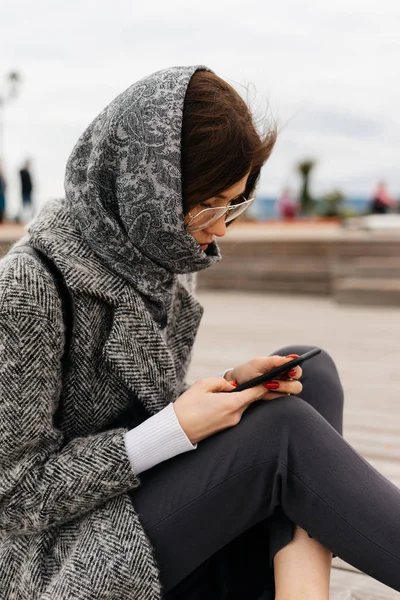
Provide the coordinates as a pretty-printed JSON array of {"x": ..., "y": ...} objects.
[{"x": 302, "y": 569}]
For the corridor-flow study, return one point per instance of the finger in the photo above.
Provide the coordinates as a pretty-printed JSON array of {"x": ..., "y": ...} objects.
[
  {"x": 247, "y": 397},
  {"x": 299, "y": 373},
  {"x": 265, "y": 364},
  {"x": 293, "y": 387},
  {"x": 275, "y": 395},
  {"x": 295, "y": 373},
  {"x": 215, "y": 384}
]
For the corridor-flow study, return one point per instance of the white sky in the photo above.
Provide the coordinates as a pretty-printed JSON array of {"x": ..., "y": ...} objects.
[{"x": 329, "y": 72}]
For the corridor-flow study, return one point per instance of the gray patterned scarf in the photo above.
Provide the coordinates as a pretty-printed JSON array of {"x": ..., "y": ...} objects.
[{"x": 123, "y": 188}]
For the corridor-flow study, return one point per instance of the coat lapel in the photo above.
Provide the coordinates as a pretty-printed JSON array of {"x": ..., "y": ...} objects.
[
  {"x": 184, "y": 321},
  {"x": 136, "y": 351}
]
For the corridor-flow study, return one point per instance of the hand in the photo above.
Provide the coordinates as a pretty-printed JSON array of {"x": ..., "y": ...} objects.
[
  {"x": 282, "y": 385},
  {"x": 205, "y": 408}
]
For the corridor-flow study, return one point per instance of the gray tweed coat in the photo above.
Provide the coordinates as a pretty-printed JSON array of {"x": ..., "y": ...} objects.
[
  {"x": 68, "y": 530},
  {"x": 67, "y": 525}
]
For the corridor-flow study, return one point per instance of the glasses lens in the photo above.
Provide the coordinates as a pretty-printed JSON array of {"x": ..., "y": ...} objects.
[
  {"x": 205, "y": 218},
  {"x": 237, "y": 210},
  {"x": 208, "y": 216}
]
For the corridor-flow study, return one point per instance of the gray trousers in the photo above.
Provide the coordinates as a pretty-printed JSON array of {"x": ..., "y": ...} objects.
[{"x": 217, "y": 516}]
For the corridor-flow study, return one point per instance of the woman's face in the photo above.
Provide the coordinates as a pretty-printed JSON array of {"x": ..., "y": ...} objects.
[{"x": 217, "y": 229}]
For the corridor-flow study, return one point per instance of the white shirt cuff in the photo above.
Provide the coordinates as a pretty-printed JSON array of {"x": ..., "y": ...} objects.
[
  {"x": 224, "y": 372},
  {"x": 155, "y": 440}
]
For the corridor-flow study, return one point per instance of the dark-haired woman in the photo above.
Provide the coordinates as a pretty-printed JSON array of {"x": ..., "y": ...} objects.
[{"x": 236, "y": 498}]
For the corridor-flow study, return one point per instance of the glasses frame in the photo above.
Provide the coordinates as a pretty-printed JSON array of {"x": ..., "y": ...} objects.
[{"x": 226, "y": 211}]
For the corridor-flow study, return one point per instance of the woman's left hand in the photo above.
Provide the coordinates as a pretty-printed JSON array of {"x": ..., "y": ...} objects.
[{"x": 281, "y": 386}]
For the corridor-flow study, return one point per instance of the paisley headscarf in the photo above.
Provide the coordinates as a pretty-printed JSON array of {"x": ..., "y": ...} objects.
[{"x": 123, "y": 188}]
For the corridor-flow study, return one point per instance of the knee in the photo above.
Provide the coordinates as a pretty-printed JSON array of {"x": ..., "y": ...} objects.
[
  {"x": 289, "y": 413},
  {"x": 321, "y": 385},
  {"x": 320, "y": 366},
  {"x": 323, "y": 359},
  {"x": 281, "y": 418},
  {"x": 279, "y": 426}
]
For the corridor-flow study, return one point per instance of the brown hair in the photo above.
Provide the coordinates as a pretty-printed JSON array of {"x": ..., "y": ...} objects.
[{"x": 220, "y": 143}]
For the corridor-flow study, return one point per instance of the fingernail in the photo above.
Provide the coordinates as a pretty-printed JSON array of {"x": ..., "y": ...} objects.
[
  {"x": 292, "y": 373},
  {"x": 234, "y": 383},
  {"x": 272, "y": 385},
  {"x": 292, "y": 356}
]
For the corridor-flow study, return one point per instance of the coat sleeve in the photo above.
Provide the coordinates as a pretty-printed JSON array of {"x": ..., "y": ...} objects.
[{"x": 44, "y": 481}]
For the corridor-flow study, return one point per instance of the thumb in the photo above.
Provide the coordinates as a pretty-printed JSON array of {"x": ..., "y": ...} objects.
[
  {"x": 218, "y": 384},
  {"x": 292, "y": 356},
  {"x": 247, "y": 397}
]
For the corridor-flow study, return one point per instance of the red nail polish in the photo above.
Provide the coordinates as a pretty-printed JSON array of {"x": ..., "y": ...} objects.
[
  {"x": 272, "y": 385},
  {"x": 292, "y": 373},
  {"x": 292, "y": 356},
  {"x": 234, "y": 383}
]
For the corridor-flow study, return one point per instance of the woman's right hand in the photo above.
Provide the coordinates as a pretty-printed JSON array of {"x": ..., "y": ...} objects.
[{"x": 205, "y": 408}]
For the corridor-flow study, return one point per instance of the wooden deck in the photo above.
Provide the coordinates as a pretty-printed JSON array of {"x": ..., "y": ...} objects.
[{"x": 237, "y": 326}]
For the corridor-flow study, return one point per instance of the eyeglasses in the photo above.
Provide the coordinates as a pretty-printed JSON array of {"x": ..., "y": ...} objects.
[{"x": 208, "y": 216}]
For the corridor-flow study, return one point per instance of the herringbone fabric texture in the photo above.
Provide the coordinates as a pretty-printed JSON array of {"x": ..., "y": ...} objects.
[{"x": 68, "y": 528}]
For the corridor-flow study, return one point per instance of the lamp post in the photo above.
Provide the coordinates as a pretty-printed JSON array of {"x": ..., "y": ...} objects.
[{"x": 7, "y": 94}]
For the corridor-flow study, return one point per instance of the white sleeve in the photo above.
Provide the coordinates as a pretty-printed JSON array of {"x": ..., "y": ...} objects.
[
  {"x": 224, "y": 372},
  {"x": 155, "y": 440}
]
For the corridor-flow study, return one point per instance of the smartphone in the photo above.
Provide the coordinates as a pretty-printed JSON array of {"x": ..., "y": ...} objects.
[{"x": 276, "y": 371}]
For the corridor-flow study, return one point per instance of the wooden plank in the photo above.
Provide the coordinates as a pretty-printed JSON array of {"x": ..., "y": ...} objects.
[
  {"x": 349, "y": 582},
  {"x": 347, "y": 585}
]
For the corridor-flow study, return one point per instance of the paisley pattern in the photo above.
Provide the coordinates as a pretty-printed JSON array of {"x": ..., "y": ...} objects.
[{"x": 123, "y": 188}]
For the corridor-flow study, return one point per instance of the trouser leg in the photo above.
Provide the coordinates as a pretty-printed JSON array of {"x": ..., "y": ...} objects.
[
  {"x": 323, "y": 391},
  {"x": 321, "y": 384},
  {"x": 328, "y": 489}
]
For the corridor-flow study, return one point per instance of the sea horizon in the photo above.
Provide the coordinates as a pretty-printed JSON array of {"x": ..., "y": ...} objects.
[{"x": 265, "y": 206}]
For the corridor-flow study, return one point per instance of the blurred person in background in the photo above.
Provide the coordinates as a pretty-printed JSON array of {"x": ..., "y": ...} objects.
[
  {"x": 382, "y": 203},
  {"x": 287, "y": 205},
  {"x": 26, "y": 192},
  {"x": 3, "y": 186},
  {"x": 118, "y": 479}
]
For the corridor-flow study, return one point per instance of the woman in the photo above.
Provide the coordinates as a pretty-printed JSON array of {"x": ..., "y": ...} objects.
[{"x": 149, "y": 186}]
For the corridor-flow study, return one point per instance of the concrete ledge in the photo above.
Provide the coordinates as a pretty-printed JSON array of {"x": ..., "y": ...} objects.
[
  {"x": 9, "y": 234},
  {"x": 368, "y": 292},
  {"x": 297, "y": 264},
  {"x": 377, "y": 268}
]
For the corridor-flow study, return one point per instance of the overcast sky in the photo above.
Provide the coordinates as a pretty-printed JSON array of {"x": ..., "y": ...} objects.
[{"x": 329, "y": 71}]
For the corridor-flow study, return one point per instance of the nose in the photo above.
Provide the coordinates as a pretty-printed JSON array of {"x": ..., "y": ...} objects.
[{"x": 218, "y": 228}]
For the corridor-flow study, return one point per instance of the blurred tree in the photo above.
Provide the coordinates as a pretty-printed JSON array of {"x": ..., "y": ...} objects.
[
  {"x": 332, "y": 204},
  {"x": 304, "y": 169}
]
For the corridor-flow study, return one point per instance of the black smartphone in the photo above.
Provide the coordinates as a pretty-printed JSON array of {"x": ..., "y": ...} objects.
[{"x": 277, "y": 371}]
